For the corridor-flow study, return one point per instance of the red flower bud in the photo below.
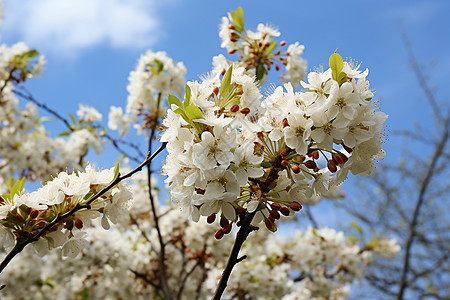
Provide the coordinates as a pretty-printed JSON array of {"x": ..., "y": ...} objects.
[
  {"x": 234, "y": 108},
  {"x": 275, "y": 206},
  {"x": 211, "y": 218},
  {"x": 285, "y": 211},
  {"x": 78, "y": 223},
  {"x": 332, "y": 166},
  {"x": 245, "y": 110},
  {"x": 224, "y": 222},
  {"x": 295, "y": 206},
  {"x": 295, "y": 169},
  {"x": 219, "y": 234},
  {"x": 274, "y": 214},
  {"x": 310, "y": 164},
  {"x": 285, "y": 151},
  {"x": 34, "y": 214},
  {"x": 227, "y": 229},
  {"x": 348, "y": 149}
]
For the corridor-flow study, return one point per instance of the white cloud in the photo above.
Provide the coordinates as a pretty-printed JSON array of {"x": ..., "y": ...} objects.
[{"x": 69, "y": 26}]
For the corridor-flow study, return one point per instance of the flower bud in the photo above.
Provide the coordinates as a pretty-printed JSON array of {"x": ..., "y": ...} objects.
[
  {"x": 245, "y": 110},
  {"x": 34, "y": 214},
  {"x": 314, "y": 154},
  {"x": 274, "y": 214},
  {"x": 41, "y": 224},
  {"x": 348, "y": 149},
  {"x": 340, "y": 158},
  {"x": 270, "y": 225},
  {"x": 275, "y": 206},
  {"x": 295, "y": 206},
  {"x": 211, "y": 218},
  {"x": 219, "y": 234},
  {"x": 234, "y": 108},
  {"x": 78, "y": 223},
  {"x": 285, "y": 211},
  {"x": 332, "y": 166},
  {"x": 285, "y": 151},
  {"x": 224, "y": 222},
  {"x": 227, "y": 229},
  {"x": 310, "y": 164},
  {"x": 19, "y": 218},
  {"x": 295, "y": 169}
]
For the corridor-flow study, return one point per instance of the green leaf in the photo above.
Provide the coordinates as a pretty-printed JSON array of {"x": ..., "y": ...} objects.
[
  {"x": 336, "y": 64},
  {"x": 88, "y": 195},
  {"x": 64, "y": 133},
  {"x": 187, "y": 96},
  {"x": 271, "y": 46},
  {"x": 10, "y": 182},
  {"x": 171, "y": 99},
  {"x": 260, "y": 72},
  {"x": 342, "y": 77},
  {"x": 226, "y": 82},
  {"x": 18, "y": 186},
  {"x": 30, "y": 54},
  {"x": 352, "y": 239},
  {"x": 72, "y": 118},
  {"x": 237, "y": 18},
  {"x": 193, "y": 112},
  {"x": 354, "y": 225},
  {"x": 116, "y": 170}
]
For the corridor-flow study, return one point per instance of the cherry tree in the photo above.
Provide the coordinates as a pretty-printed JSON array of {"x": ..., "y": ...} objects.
[{"x": 239, "y": 163}]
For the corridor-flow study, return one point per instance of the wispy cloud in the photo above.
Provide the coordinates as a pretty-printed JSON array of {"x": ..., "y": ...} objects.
[{"x": 72, "y": 25}]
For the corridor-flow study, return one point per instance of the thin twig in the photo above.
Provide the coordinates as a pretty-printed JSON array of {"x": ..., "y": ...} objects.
[
  {"x": 420, "y": 199},
  {"x": 241, "y": 236}
]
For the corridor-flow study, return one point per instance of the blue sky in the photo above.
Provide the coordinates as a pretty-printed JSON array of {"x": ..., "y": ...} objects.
[{"x": 92, "y": 45}]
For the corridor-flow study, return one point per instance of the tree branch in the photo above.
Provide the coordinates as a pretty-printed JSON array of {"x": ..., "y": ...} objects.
[
  {"x": 420, "y": 199},
  {"x": 21, "y": 244},
  {"x": 241, "y": 236}
]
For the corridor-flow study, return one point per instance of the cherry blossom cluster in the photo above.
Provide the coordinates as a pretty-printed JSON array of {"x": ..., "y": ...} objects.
[
  {"x": 231, "y": 150},
  {"x": 23, "y": 215},
  {"x": 155, "y": 76},
  {"x": 304, "y": 264},
  {"x": 258, "y": 51}
]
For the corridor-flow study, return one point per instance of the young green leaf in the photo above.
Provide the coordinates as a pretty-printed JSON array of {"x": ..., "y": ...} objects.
[
  {"x": 171, "y": 99},
  {"x": 193, "y": 112},
  {"x": 74, "y": 122},
  {"x": 260, "y": 72},
  {"x": 18, "y": 186},
  {"x": 342, "y": 77},
  {"x": 336, "y": 64},
  {"x": 226, "y": 82},
  {"x": 271, "y": 46},
  {"x": 187, "y": 96},
  {"x": 116, "y": 170},
  {"x": 237, "y": 18},
  {"x": 354, "y": 225}
]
